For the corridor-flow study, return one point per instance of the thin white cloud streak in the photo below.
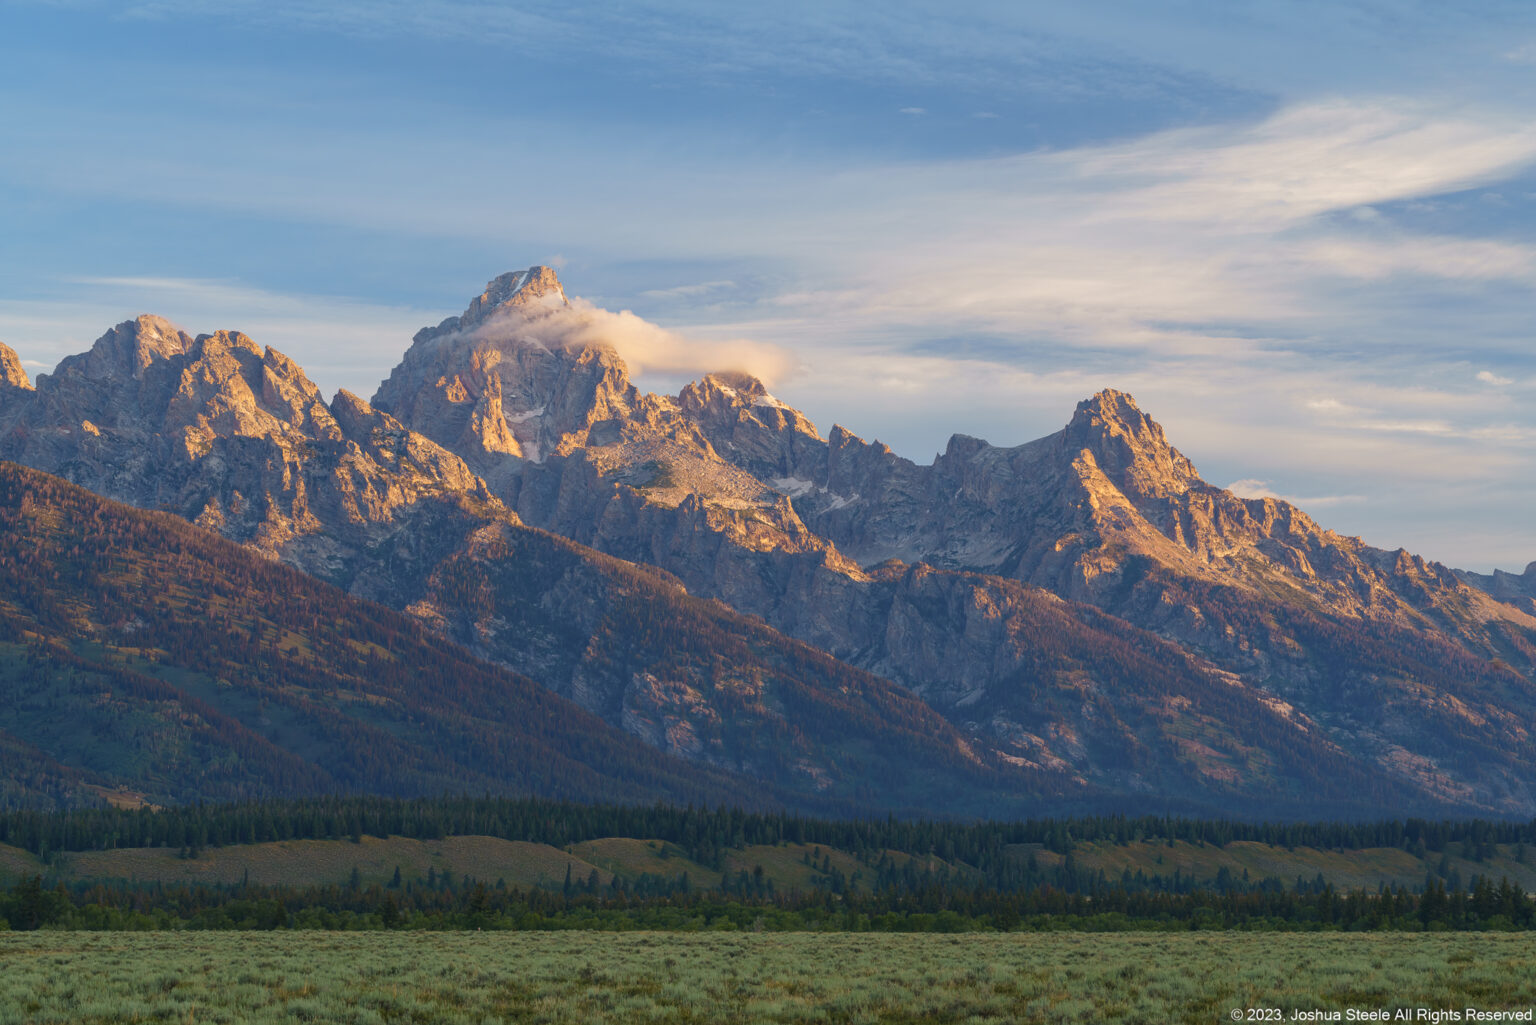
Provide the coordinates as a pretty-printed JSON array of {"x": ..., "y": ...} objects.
[
  {"x": 1094, "y": 49},
  {"x": 1525, "y": 54},
  {"x": 645, "y": 347},
  {"x": 1206, "y": 261},
  {"x": 1305, "y": 161},
  {"x": 1190, "y": 226},
  {"x": 1084, "y": 242},
  {"x": 1252, "y": 488},
  {"x": 1449, "y": 259},
  {"x": 692, "y": 291}
]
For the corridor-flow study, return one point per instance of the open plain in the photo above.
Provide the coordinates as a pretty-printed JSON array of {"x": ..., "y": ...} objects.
[{"x": 649, "y": 977}]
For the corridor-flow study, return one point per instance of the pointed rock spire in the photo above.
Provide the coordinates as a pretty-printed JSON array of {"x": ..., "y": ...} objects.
[
  {"x": 357, "y": 419},
  {"x": 533, "y": 289},
  {"x": 129, "y": 348},
  {"x": 1129, "y": 446},
  {"x": 732, "y": 396},
  {"x": 531, "y": 292},
  {"x": 719, "y": 395},
  {"x": 12, "y": 375}
]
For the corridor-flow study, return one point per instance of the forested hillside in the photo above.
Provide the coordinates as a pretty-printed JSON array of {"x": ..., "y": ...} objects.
[{"x": 144, "y": 659}]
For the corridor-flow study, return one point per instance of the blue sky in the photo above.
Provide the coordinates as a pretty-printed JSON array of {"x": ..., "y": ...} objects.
[{"x": 1302, "y": 234}]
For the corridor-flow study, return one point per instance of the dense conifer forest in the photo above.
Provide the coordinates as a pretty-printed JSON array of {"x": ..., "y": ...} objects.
[
  {"x": 699, "y": 830},
  {"x": 916, "y": 875},
  {"x": 142, "y": 654}
]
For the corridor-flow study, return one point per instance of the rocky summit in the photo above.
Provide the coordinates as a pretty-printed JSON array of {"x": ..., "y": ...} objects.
[
  {"x": 1081, "y": 618},
  {"x": 11, "y": 373}
]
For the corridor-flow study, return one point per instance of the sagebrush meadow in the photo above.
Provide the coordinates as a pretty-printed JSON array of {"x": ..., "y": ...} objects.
[{"x": 585, "y": 978}]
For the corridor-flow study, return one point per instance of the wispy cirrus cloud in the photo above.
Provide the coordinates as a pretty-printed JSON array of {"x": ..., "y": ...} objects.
[
  {"x": 690, "y": 291},
  {"x": 1307, "y": 160},
  {"x": 1251, "y": 488},
  {"x": 1231, "y": 215},
  {"x": 1450, "y": 259}
]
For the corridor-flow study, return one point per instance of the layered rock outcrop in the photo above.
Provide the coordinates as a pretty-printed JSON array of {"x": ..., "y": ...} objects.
[
  {"x": 12, "y": 375},
  {"x": 1083, "y": 608},
  {"x": 1512, "y": 588},
  {"x": 234, "y": 437},
  {"x": 740, "y": 497}
]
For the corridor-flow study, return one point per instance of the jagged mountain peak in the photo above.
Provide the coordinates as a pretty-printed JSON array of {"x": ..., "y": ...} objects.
[
  {"x": 226, "y": 355},
  {"x": 734, "y": 397},
  {"x": 515, "y": 377},
  {"x": 129, "y": 348},
  {"x": 529, "y": 293},
  {"x": 722, "y": 392},
  {"x": 1129, "y": 446},
  {"x": 963, "y": 446},
  {"x": 533, "y": 289},
  {"x": 222, "y": 358},
  {"x": 732, "y": 493},
  {"x": 347, "y": 404},
  {"x": 222, "y": 339},
  {"x": 1115, "y": 412},
  {"x": 735, "y": 382},
  {"x": 11, "y": 372}
]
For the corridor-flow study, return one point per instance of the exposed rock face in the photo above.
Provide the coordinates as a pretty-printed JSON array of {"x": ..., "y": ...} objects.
[
  {"x": 527, "y": 291},
  {"x": 1514, "y": 589},
  {"x": 237, "y": 439},
  {"x": 1084, "y": 607},
  {"x": 12, "y": 376},
  {"x": 1107, "y": 513},
  {"x": 1107, "y": 496},
  {"x": 702, "y": 682},
  {"x": 484, "y": 384},
  {"x": 753, "y": 429},
  {"x": 563, "y": 437},
  {"x": 127, "y": 350},
  {"x": 1104, "y": 512},
  {"x": 234, "y": 437}
]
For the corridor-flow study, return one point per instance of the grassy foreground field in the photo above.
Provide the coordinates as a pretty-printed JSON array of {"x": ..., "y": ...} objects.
[{"x": 583, "y": 977}]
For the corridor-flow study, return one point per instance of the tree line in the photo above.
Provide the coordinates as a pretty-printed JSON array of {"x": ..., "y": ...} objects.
[
  {"x": 472, "y": 904},
  {"x": 1000, "y": 853}
]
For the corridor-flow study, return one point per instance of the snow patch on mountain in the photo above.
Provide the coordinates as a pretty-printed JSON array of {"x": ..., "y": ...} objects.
[{"x": 794, "y": 487}]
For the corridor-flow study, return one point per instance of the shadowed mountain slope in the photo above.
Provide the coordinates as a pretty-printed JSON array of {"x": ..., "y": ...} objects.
[
  {"x": 145, "y": 653},
  {"x": 1080, "y": 619},
  {"x": 1386, "y": 656},
  {"x": 141, "y": 652}
]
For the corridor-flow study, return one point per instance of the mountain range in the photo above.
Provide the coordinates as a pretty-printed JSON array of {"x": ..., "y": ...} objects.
[{"x": 807, "y": 620}]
